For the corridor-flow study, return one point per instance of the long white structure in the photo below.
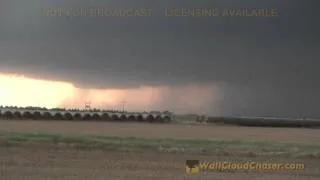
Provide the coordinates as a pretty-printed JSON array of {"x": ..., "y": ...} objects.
[{"x": 25, "y": 113}]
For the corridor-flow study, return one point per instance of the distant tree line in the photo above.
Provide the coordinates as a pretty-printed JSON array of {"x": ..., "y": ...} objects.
[{"x": 81, "y": 110}]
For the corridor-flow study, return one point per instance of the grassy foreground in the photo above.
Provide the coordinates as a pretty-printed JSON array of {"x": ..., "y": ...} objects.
[{"x": 198, "y": 146}]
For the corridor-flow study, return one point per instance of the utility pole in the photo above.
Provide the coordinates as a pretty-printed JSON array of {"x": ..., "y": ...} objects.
[
  {"x": 87, "y": 105},
  {"x": 123, "y": 104}
]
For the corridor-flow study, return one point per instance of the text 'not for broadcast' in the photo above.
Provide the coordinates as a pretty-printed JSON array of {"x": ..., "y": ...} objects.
[{"x": 168, "y": 12}]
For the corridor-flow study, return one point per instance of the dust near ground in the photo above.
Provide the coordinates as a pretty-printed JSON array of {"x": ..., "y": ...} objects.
[{"x": 34, "y": 161}]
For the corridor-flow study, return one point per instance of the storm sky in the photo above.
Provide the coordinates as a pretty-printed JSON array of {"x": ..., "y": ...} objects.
[{"x": 259, "y": 66}]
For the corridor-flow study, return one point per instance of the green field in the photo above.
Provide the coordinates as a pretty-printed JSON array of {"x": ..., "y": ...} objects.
[
  {"x": 194, "y": 146},
  {"x": 265, "y": 122}
]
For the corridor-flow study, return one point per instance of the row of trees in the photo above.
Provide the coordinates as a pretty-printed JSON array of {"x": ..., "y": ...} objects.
[
  {"x": 80, "y": 110},
  {"x": 77, "y": 116}
]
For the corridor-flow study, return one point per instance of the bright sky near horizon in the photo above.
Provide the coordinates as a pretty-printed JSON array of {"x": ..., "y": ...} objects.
[{"x": 18, "y": 90}]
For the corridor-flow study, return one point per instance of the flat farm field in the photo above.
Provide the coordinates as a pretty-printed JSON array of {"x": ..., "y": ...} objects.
[
  {"x": 177, "y": 131},
  {"x": 65, "y": 150}
]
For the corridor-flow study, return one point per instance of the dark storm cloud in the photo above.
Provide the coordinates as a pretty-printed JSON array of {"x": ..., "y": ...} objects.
[{"x": 262, "y": 64}]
